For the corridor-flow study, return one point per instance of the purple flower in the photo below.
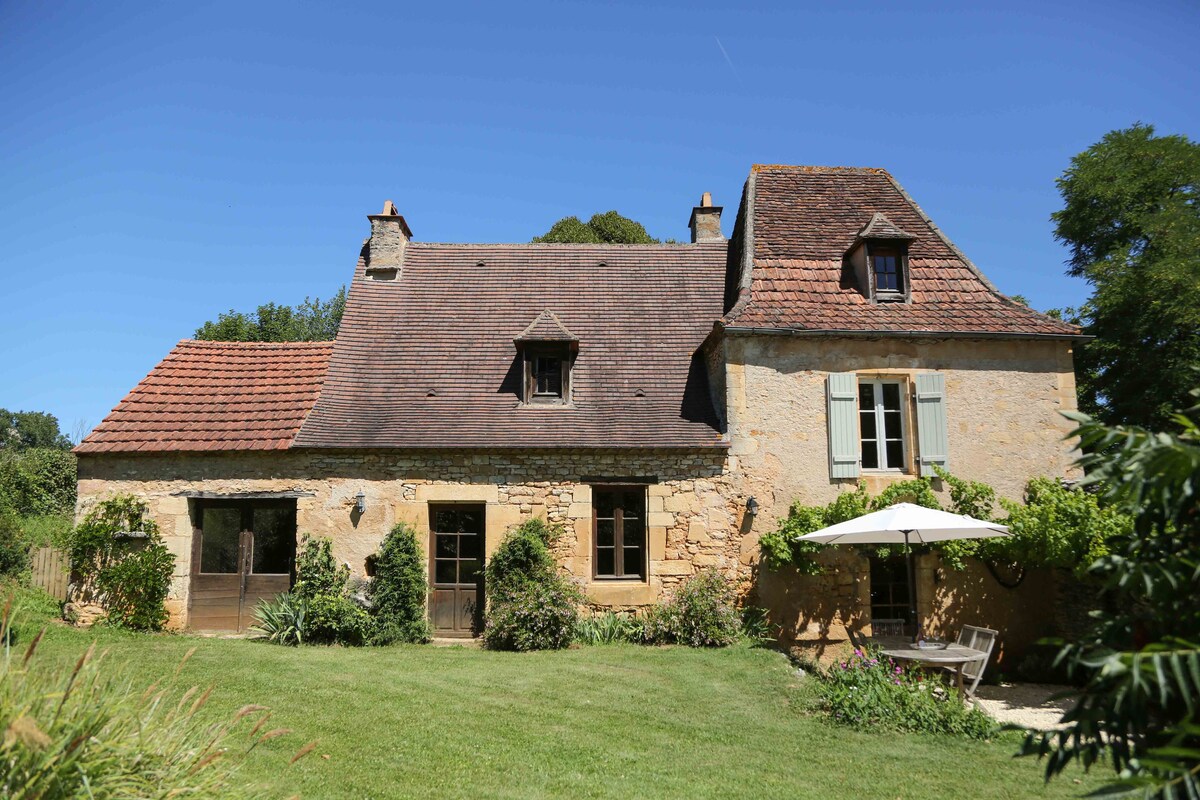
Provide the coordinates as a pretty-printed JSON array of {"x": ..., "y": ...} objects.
[
  {"x": 858, "y": 653},
  {"x": 897, "y": 670}
]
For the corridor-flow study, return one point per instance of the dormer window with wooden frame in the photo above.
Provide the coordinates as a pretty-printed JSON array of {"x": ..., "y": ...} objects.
[
  {"x": 888, "y": 260},
  {"x": 879, "y": 257},
  {"x": 547, "y": 373},
  {"x": 547, "y": 354}
]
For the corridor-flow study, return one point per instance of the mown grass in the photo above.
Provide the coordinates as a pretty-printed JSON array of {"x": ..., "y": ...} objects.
[{"x": 597, "y": 722}]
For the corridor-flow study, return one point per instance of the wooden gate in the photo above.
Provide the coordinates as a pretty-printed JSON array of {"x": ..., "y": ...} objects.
[{"x": 51, "y": 571}]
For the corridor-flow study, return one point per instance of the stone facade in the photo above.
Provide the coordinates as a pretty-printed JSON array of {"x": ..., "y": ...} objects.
[
  {"x": 1002, "y": 398},
  {"x": 694, "y": 509}
]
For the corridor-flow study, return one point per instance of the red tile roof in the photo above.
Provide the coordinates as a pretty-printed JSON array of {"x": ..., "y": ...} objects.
[
  {"x": 217, "y": 396},
  {"x": 799, "y": 223},
  {"x": 429, "y": 360}
]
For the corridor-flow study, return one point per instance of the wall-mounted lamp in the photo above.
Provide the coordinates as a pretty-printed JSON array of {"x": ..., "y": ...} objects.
[
  {"x": 360, "y": 503},
  {"x": 752, "y": 507}
]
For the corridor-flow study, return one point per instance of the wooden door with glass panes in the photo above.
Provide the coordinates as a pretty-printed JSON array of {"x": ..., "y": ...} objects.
[
  {"x": 243, "y": 552},
  {"x": 456, "y": 569}
]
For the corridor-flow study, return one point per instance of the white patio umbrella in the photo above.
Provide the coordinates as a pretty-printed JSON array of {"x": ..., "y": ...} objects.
[{"x": 906, "y": 524}]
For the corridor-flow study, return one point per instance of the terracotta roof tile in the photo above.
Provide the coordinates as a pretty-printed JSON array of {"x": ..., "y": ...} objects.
[
  {"x": 546, "y": 328},
  {"x": 217, "y": 396},
  {"x": 804, "y": 220},
  {"x": 429, "y": 360}
]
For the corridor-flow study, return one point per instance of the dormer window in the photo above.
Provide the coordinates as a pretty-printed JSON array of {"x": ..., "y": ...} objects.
[
  {"x": 548, "y": 373},
  {"x": 879, "y": 258},
  {"x": 886, "y": 264},
  {"x": 547, "y": 352}
]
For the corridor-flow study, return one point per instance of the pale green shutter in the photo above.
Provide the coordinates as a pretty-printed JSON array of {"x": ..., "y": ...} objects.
[
  {"x": 843, "y": 425},
  {"x": 932, "y": 439}
]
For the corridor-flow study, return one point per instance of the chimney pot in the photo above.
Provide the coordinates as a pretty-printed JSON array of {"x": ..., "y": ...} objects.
[{"x": 706, "y": 221}]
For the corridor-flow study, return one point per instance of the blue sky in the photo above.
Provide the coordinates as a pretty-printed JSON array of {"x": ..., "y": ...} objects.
[{"x": 159, "y": 165}]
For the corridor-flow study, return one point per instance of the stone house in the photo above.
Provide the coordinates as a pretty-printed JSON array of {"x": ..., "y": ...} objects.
[{"x": 664, "y": 403}]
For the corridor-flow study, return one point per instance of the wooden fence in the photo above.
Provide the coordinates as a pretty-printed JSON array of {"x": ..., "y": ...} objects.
[{"x": 51, "y": 571}]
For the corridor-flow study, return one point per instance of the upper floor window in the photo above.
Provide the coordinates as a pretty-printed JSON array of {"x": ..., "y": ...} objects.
[
  {"x": 881, "y": 424},
  {"x": 885, "y": 262},
  {"x": 547, "y": 377},
  {"x": 547, "y": 374}
]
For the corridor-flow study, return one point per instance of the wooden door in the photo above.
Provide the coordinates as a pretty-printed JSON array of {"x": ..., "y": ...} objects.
[
  {"x": 243, "y": 552},
  {"x": 456, "y": 569}
]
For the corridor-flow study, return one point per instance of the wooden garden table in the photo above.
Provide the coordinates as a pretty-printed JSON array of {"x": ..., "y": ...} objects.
[{"x": 953, "y": 656}]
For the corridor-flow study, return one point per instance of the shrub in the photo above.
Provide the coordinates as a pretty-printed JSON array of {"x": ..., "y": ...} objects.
[
  {"x": 399, "y": 588},
  {"x": 129, "y": 577},
  {"x": 870, "y": 692},
  {"x": 608, "y": 628},
  {"x": 701, "y": 613},
  {"x": 538, "y": 615},
  {"x": 523, "y": 556},
  {"x": 530, "y": 606},
  {"x": 331, "y": 616},
  {"x": 14, "y": 549},
  {"x": 83, "y": 732},
  {"x": 283, "y": 620}
]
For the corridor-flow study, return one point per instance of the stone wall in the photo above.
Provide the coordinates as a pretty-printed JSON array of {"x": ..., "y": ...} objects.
[
  {"x": 1002, "y": 404},
  {"x": 694, "y": 508}
]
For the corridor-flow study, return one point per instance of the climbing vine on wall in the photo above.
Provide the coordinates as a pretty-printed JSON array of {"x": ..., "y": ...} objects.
[{"x": 119, "y": 562}]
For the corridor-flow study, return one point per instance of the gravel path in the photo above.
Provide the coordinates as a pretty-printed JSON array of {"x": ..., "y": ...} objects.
[{"x": 1026, "y": 704}]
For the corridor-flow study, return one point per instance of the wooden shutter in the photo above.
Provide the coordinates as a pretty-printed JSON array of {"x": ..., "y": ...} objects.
[
  {"x": 933, "y": 442},
  {"x": 844, "y": 453}
]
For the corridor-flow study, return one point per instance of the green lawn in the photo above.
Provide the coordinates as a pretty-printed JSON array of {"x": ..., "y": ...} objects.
[{"x": 620, "y": 722}]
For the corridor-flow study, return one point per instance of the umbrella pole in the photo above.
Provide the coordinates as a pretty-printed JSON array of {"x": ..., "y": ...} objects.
[{"x": 912, "y": 587}]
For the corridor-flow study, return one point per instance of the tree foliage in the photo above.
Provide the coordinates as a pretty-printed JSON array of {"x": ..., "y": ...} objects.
[
  {"x": 607, "y": 228},
  {"x": 1131, "y": 219},
  {"x": 310, "y": 321},
  {"x": 27, "y": 430},
  {"x": 40, "y": 481},
  {"x": 1140, "y": 701}
]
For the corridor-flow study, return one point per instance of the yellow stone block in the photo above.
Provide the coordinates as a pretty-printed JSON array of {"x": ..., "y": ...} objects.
[{"x": 458, "y": 493}]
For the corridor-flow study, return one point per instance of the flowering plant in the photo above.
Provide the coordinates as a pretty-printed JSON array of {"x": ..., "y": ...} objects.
[{"x": 869, "y": 691}]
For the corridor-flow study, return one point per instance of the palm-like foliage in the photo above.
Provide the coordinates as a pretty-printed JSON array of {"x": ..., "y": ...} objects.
[
  {"x": 1140, "y": 703},
  {"x": 283, "y": 620}
]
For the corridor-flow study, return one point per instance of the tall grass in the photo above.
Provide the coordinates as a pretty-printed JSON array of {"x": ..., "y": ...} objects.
[{"x": 85, "y": 732}]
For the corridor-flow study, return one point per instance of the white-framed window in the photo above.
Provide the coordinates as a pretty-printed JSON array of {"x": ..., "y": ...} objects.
[{"x": 881, "y": 424}]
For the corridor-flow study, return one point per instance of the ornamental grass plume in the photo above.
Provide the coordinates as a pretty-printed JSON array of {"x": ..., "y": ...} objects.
[{"x": 88, "y": 733}]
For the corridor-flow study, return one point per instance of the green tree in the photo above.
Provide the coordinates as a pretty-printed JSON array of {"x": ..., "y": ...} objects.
[
  {"x": 1141, "y": 665},
  {"x": 1131, "y": 219},
  {"x": 607, "y": 228},
  {"x": 26, "y": 430},
  {"x": 311, "y": 321}
]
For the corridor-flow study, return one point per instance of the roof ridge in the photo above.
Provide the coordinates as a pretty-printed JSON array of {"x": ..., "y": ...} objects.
[
  {"x": 564, "y": 245},
  {"x": 818, "y": 169},
  {"x": 253, "y": 345}
]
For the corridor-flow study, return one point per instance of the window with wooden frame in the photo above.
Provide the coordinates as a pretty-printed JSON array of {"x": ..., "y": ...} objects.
[
  {"x": 887, "y": 271},
  {"x": 619, "y": 532},
  {"x": 881, "y": 424},
  {"x": 547, "y": 374}
]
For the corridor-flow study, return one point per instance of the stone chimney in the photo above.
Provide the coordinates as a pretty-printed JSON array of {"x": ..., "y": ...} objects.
[
  {"x": 706, "y": 221},
  {"x": 389, "y": 236}
]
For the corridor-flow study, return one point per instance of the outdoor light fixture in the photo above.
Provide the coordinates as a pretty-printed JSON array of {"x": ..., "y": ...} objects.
[
  {"x": 360, "y": 503},
  {"x": 752, "y": 507}
]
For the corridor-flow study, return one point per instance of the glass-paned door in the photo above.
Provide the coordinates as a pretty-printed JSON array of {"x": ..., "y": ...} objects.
[
  {"x": 244, "y": 551},
  {"x": 456, "y": 566}
]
